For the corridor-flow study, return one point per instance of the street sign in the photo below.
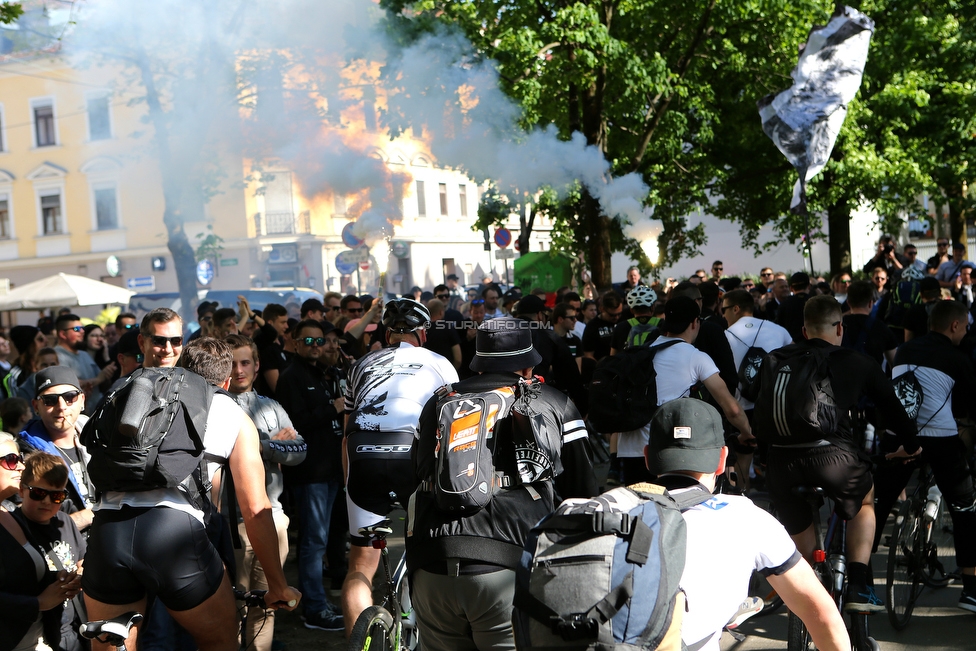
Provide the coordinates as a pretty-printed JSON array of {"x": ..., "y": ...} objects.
[
  {"x": 113, "y": 266},
  {"x": 364, "y": 265},
  {"x": 228, "y": 262},
  {"x": 504, "y": 254},
  {"x": 503, "y": 237},
  {"x": 349, "y": 238},
  {"x": 399, "y": 248},
  {"x": 205, "y": 272},
  {"x": 141, "y": 284},
  {"x": 343, "y": 266}
]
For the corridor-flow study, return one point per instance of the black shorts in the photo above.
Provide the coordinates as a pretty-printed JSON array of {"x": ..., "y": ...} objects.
[
  {"x": 844, "y": 476},
  {"x": 164, "y": 551},
  {"x": 380, "y": 476}
]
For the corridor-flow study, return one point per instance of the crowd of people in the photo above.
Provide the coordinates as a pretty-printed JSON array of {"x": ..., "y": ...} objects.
[{"x": 319, "y": 424}]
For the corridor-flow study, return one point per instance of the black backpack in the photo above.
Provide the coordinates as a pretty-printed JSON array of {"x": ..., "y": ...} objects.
[
  {"x": 623, "y": 392},
  {"x": 905, "y": 294},
  {"x": 148, "y": 433},
  {"x": 751, "y": 362},
  {"x": 796, "y": 400}
]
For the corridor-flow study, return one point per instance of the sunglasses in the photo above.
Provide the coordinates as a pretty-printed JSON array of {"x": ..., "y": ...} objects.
[
  {"x": 38, "y": 494},
  {"x": 10, "y": 461},
  {"x": 334, "y": 308},
  {"x": 726, "y": 307},
  {"x": 75, "y": 328},
  {"x": 313, "y": 341},
  {"x": 478, "y": 301},
  {"x": 846, "y": 282},
  {"x": 130, "y": 326},
  {"x": 718, "y": 269},
  {"x": 52, "y": 399},
  {"x": 159, "y": 341},
  {"x": 767, "y": 273},
  {"x": 443, "y": 297},
  {"x": 942, "y": 244},
  {"x": 570, "y": 317},
  {"x": 354, "y": 310}
]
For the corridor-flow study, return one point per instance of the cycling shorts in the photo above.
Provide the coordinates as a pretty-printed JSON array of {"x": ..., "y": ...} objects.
[
  {"x": 379, "y": 477},
  {"x": 844, "y": 476},
  {"x": 164, "y": 551}
]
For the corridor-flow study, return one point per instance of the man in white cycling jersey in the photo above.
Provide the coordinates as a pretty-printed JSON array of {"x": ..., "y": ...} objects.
[{"x": 386, "y": 391}]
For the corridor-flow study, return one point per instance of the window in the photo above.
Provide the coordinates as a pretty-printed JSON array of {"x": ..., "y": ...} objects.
[
  {"x": 421, "y": 200},
  {"x": 44, "y": 125},
  {"x": 106, "y": 209},
  {"x": 339, "y": 204},
  {"x": 463, "y": 196},
  {"x": 99, "y": 127},
  {"x": 51, "y": 213},
  {"x": 5, "y": 232},
  {"x": 442, "y": 190}
]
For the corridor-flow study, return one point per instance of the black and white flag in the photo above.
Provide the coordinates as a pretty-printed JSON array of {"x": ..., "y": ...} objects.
[{"x": 804, "y": 120}]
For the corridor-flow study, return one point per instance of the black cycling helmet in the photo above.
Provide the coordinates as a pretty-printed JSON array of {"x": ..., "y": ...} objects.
[{"x": 405, "y": 315}]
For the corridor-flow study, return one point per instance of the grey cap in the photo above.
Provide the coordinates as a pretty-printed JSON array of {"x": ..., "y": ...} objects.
[
  {"x": 686, "y": 434},
  {"x": 53, "y": 376}
]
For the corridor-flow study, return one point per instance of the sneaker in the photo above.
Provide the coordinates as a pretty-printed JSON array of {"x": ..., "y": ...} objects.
[
  {"x": 862, "y": 599},
  {"x": 967, "y": 601},
  {"x": 324, "y": 621}
]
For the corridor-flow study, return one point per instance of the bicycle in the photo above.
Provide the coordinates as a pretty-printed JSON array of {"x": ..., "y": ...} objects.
[
  {"x": 922, "y": 527},
  {"x": 390, "y": 626},
  {"x": 115, "y": 631},
  {"x": 830, "y": 565}
]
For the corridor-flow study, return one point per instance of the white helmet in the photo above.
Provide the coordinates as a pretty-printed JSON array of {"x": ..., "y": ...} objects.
[{"x": 641, "y": 296}]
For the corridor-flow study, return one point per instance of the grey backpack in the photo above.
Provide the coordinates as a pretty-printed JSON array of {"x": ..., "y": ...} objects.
[{"x": 602, "y": 574}]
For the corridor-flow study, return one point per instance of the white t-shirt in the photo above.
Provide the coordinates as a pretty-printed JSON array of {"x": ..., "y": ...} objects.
[
  {"x": 748, "y": 332},
  {"x": 224, "y": 422},
  {"x": 678, "y": 368},
  {"x": 729, "y": 537}
]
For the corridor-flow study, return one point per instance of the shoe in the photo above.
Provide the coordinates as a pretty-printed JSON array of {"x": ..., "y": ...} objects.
[
  {"x": 967, "y": 601},
  {"x": 862, "y": 599},
  {"x": 324, "y": 621}
]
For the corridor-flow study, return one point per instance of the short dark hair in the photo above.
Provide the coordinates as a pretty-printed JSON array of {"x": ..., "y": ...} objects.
[
  {"x": 709, "y": 294},
  {"x": 740, "y": 298},
  {"x": 860, "y": 293},
  {"x": 307, "y": 323},
  {"x": 65, "y": 319},
  {"x": 223, "y": 315},
  {"x": 610, "y": 300},
  {"x": 13, "y": 409},
  {"x": 346, "y": 300},
  {"x": 820, "y": 312},
  {"x": 124, "y": 315},
  {"x": 561, "y": 309},
  {"x": 158, "y": 315},
  {"x": 273, "y": 311},
  {"x": 47, "y": 350},
  {"x": 41, "y": 465},
  {"x": 210, "y": 358},
  {"x": 490, "y": 288},
  {"x": 570, "y": 296},
  {"x": 718, "y": 262},
  {"x": 944, "y": 313},
  {"x": 236, "y": 341},
  {"x": 441, "y": 287}
]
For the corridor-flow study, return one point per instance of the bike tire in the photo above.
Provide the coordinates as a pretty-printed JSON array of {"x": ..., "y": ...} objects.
[
  {"x": 940, "y": 551},
  {"x": 409, "y": 633},
  {"x": 797, "y": 635},
  {"x": 373, "y": 631},
  {"x": 905, "y": 559}
]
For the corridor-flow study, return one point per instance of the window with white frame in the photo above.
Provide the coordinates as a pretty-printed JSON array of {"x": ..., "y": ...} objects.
[
  {"x": 442, "y": 192},
  {"x": 106, "y": 207},
  {"x": 463, "y": 197},
  {"x": 421, "y": 200},
  {"x": 51, "y": 221},
  {"x": 6, "y": 232},
  {"x": 99, "y": 123},
  {"x": 45, "y": 133}
]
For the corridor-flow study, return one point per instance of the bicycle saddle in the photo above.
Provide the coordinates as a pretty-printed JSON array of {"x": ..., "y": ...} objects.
[
  {"x": 115, "y": 631},
  {"x": 381, "y": 528}
]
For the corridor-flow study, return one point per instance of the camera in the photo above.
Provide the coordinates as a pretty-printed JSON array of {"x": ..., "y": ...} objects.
[{"x": 888, "y": 248}]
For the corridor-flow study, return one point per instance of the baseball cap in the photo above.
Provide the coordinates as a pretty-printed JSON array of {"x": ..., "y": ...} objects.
[
  {"x": 799, "y": 279},
  {"x": 686, "y": 434},
  {"x": 679, "y": 312},
  {"x": 53, "y": 376},
  {"x": 452, "y": 277},
  {"x": 129, "y": 343}
]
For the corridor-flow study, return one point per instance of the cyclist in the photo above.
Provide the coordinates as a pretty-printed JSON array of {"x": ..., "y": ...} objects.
[
  {"x": 826, "y": 454},
  {"x": 386, "y": 391},
  {"x": 463, "y": 566},
  {"x": 718, "y": 567},
  {"x": 127, "y": 555},
  {"x": 637, "y": 330},
  {"x": 945, "y": 376}
]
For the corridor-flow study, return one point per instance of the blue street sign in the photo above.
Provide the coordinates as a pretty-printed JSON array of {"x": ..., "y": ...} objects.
[
  {"x": 205, "y": 272},
  {"x": 349, "y": 238},
  {"x": 503, "y": 237}
]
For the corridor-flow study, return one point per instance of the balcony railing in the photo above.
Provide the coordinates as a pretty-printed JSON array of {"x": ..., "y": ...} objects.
[{"x": 281, "y": 223}]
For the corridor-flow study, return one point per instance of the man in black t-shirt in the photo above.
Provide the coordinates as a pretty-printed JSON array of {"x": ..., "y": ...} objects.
[
  {"x": 273, "y": 326},
  {"x": 866, "y": 332},
  {"x": 599, "y": 331},
  {"x": 790, "y": 313},
  {"x": 916, "y": 321},
  {"x": 442, "y": 336}
]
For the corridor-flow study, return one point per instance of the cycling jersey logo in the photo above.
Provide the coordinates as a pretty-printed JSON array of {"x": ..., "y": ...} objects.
[{"x": 383, "y": 449}]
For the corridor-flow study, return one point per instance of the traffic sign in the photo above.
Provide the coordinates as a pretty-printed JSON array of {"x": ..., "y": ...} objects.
[
  {"x": 141, "y": 283},
  {"x": 349, "y": 238},
  {"x": 504, "y": 254},
  {"x": 503, "y": 237},
  {"x": 399, "y": 248},
  {"x": 364, "y": 265},
  {"x": 205, "y": 272},
  {"x": 344, "y": 266}
]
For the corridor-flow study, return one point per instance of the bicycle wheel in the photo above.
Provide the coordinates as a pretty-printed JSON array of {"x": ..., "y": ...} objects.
[
  {"x": 409, "y": 633},
  {"x": 905, "y": 556},
  {"x": 797, "y": 635},
  {"x": 373, "y": 631},
  {"x": 940, "y": 550}
]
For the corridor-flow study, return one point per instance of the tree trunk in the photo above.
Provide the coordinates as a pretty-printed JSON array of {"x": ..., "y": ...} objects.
[
  {"x": 956, "y": 200},
  {"x": 839, "y": 231},
  {"x": 597, "y": 229}
]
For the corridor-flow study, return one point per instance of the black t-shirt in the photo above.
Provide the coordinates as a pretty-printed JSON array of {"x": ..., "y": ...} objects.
[
  {"x": 575, "y": 344},
  {"x": 916, "y": 319},
  {"x": 441, "y": 337},
  {"x": 597, "y": 337},
  {"x": 790, "y": 315},
  {"x": 879, "y": 339}
]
